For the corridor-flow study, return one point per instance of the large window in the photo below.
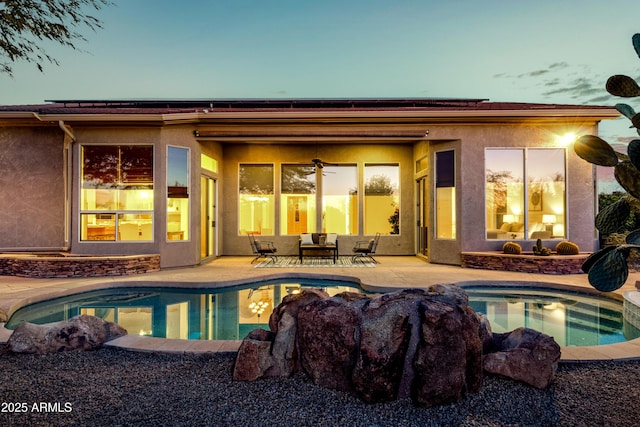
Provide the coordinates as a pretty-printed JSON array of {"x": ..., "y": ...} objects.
[
  {"x": 256, "y": 210},
  {"x": 177, "y": 193},
  {"x": 116, "y": 197},
  {"x": 515, "y": 210},
  {"x": 340, "y": 199},
  {"x": 445, "y": 205},
  {"x": 381, "y": 199},
  {"x": 298, "y": 199}
]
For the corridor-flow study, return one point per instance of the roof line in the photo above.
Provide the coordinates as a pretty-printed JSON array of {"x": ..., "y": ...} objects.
[{"x": 271, "y": 102}]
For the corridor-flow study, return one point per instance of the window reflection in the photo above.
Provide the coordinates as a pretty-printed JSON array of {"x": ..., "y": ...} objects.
[
  {"x": 504, "y": 175},
  {"x": 382, "y": 199},
  {"x": 546, "y": 200},
  {"x": 516, "y": 211},
  {"x": 177, "y": 193},
  {"x": 116, "y": 180},
  {"x": 298, "y": 199},
  {"x": 340, "y": 199},
  {"x": 256, "y": 199},
  {"x": 445, "y": 195}
]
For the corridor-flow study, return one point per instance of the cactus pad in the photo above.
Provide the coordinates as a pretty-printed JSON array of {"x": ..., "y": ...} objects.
[
  {"x": 595, "y": 150},
  {"x": 610, "y": 271},
  {"x": 628, "y": 177},
  {"x": 613, "y": 217},
  {"x": 633, "y": 149},
  {"x": 624, "y": 86}
]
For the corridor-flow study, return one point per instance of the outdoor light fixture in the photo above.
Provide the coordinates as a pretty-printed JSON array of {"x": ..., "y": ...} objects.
[{"x": 566, "y": 139}]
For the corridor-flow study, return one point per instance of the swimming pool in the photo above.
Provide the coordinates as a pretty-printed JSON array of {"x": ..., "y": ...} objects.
[
  {"x": 572, "y": 318},
  {"x": 183, "y": 313}
]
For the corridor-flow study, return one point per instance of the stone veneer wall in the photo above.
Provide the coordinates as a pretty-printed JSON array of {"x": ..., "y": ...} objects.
[
  {"x": 524, "y": 263},
  {"x": 76, "y": 266}
]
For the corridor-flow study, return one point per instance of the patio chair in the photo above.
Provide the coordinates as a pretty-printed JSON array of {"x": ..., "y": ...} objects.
[
  {"x": 366, "y": 249},
  {"x": 262, "y": 249}
]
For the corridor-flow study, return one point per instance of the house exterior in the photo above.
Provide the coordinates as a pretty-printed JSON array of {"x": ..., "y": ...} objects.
[{"x": 188, "y": 179}]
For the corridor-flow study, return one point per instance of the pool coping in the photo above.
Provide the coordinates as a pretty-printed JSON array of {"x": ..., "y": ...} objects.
[{"x": 629, "y": 350}]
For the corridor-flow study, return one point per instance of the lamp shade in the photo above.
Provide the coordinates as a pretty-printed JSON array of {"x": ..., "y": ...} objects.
[
  {"x": 548, "y": 219},
  {"x": 508, "y": 218}
]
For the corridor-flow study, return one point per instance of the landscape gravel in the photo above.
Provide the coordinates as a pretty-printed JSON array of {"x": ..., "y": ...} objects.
[{"x": 111, "y": 387}]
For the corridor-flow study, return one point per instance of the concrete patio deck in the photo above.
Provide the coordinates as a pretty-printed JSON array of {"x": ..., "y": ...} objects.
[{"x": 390, "y": 274}]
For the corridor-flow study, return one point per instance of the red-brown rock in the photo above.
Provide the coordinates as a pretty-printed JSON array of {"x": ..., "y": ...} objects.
[
  {"x": 328, "y": 337},
  {"x": 524, "y": 355},
  {"x": 254, "y": 359},
  {"x": 424, "y": 344}
]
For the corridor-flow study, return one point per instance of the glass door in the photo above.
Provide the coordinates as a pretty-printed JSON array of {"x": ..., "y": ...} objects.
[
  {"x": 422, "y": 215},
  {"x": 207, "y": 217}
]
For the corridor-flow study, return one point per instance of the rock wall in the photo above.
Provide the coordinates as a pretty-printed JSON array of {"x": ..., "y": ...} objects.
[
  {"x": 76, "y": 266},
  {"x": 524, "y": 263}
]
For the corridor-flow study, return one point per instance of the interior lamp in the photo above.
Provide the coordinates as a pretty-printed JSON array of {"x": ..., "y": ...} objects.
[
  {"x": 508, "y": 218},
  {"x": 549, "y": 220}
]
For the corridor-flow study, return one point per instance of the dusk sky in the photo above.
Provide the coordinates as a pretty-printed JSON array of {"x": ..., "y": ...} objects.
[{"x": 549, "y": 51}]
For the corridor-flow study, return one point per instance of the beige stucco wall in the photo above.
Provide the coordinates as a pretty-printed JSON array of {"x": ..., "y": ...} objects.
[
  {"x": 470, "y": 183},
  {"x": 31, "y": 188},
  {"x": 360, "y": 154},
  {"x": 32, "y": 162},
  {"x": 173, "y": 253}
]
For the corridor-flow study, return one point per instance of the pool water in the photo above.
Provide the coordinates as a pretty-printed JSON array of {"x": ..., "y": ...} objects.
[
  {"x": 572, "y": 318},
  {"x": 198, "y": 314}
]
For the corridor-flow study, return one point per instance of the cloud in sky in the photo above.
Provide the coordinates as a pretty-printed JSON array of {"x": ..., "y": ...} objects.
[{"x": 561, "y": 80}]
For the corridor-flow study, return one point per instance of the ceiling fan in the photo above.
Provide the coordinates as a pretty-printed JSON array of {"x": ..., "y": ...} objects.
[{"x": 321, "y": 164}]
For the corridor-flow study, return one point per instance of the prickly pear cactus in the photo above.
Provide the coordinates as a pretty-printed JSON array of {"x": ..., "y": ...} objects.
[
  {"x": 538, "y": 249},
  {"x": 567, "y": 248},
  {"x": 607, "y": 268},
  {"x": 512, "y": 248}
]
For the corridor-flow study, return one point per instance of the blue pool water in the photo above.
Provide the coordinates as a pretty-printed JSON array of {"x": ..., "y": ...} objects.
[{"x": 572, "y": 318}]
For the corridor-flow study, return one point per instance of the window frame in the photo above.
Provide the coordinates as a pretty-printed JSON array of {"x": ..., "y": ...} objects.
[
  {"x": 526, "y": 196},
  {"x": 188, "y": 195},
  {"x": 273, "y": 195},
  {"x": 398, "y": 195},
  {"x": 452, "y": 184},
  {"x": 115, "y": 212}
]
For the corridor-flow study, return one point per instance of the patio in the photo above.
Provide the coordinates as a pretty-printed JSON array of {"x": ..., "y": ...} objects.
[{"x": 392, "y": 273}]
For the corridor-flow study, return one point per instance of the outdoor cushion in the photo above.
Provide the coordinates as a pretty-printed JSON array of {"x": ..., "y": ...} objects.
[
  {"x": 331, "y": 238},
  {"x": 306, "y": 239}
]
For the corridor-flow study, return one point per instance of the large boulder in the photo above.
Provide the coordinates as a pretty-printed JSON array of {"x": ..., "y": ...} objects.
[
  {"x": 449, "y": 355},
  {"x": 328, "y": 341},
  {"x": 420, "y": 343},
  {"x": 524, "y": 355},
  {"x": 78, "y": 333}
]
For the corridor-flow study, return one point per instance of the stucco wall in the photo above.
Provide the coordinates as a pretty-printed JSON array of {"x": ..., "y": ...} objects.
[
  {"x": 360, "y": 154},
  {"x": 174, "y": 253},
  {"x": 470, "y": 183},
  {"x": 31, "y": 188}
]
